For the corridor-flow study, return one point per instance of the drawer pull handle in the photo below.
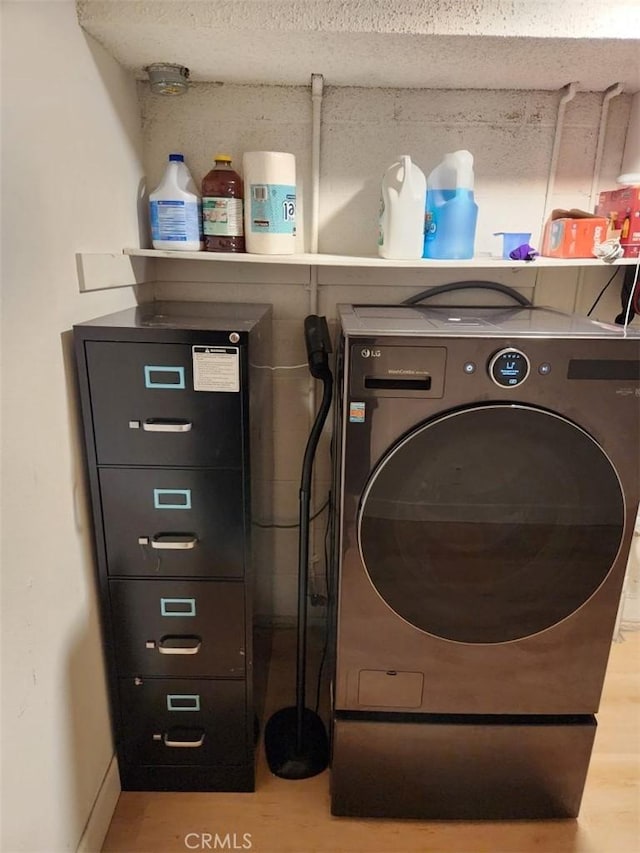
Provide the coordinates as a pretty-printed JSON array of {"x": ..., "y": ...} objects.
[
  {"x": 179, "y": 645},
  {"x": 165, "y": 425},
  {"x": 180, "y": 744},
  {"x": 174, "y": 541}
]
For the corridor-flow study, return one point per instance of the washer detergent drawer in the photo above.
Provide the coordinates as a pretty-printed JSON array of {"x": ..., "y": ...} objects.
[
  {"x": 184, "y": 721},
  {"x": 178, "y": 628},
  {"x": 173, "y": 522},
  {"x": 146, "y": 411}
]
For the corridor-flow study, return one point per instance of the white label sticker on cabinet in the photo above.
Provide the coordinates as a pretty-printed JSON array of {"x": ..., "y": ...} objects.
[{"x": 216, "y": 369}]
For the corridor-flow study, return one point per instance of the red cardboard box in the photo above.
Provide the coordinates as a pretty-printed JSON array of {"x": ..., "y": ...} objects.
[
  {"x": 622, "y": 208},
  {"x": 572, "y": 234}
]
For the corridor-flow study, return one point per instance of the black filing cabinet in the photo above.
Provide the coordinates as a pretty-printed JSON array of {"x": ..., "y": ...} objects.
[{"x": 176, "y": 405}]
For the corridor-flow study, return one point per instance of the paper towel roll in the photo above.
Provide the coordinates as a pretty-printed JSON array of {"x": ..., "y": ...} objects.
[{"x": 269, "y": 202}]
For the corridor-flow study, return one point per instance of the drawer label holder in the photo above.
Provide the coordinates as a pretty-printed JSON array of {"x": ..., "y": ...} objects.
[
  {"x": 177, "y": 607},
  {"x": 183, "y": 702},
  {"x": 164, "y": 377},
  {"x": 181, "y": 498}
]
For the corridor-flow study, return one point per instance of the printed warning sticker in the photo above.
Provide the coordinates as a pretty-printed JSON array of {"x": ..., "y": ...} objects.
[{"x": 216, "y": 368}]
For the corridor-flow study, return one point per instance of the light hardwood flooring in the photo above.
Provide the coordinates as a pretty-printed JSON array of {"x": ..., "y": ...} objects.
[{"x": 293, "y": 817}]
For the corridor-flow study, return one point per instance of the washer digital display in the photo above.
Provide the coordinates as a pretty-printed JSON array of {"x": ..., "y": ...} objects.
[{"x": 509, "y": 367}]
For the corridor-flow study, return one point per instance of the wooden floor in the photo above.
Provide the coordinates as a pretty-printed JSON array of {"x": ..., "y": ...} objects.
[{"x": 293, "y": 817}]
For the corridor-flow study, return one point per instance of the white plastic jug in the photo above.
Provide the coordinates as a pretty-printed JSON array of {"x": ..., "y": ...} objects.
[
  {"x": 451, "y": 211},
  {"x": 402, "y": 206},
  {"x": 175, "y": 210}
]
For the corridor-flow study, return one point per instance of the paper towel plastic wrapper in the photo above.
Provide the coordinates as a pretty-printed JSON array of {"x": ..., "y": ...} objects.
[{"x": 269, "y": 202}]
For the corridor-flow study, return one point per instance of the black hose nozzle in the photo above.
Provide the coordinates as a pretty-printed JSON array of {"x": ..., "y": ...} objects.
[{"x": 318, "y": 342}]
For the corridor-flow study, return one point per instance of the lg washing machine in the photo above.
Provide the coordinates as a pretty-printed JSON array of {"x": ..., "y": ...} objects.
[{"x": 488, "y": 466}]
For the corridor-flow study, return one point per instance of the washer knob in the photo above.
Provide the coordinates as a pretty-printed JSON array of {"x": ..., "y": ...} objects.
[{"x": 509, "y": 367}]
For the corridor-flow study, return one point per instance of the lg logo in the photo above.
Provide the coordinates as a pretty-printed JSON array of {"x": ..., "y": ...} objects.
[{"x": 370, "y": 353}]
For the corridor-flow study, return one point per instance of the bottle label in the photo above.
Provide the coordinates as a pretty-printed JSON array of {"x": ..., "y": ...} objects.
[
  {"x": 273, "y": 209},
  {"x": 178, "y": 221},
  {"x": 222, "y": 217},
  {"x": 430, "y": 226}
]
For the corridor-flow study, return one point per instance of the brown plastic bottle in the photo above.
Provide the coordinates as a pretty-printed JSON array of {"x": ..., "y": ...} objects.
[{"x": 222, "y": 216}]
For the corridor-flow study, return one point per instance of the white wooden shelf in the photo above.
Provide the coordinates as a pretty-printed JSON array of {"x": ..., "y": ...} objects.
[{"x": 322, "y": 260}]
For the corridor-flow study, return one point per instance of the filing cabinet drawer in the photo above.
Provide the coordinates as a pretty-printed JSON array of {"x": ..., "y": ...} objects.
[
  {"x": 146, "y": 411},
  {"x": 178, "y": 628},
  {"x": 173, "y": 522},
  {"x": 178, "y": 721}
]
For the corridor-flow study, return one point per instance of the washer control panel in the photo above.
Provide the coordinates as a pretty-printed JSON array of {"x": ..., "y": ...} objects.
[{"x": 509, "y": 367}]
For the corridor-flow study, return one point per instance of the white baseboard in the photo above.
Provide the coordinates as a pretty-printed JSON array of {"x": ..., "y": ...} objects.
[{"x": 103, "y": 808}]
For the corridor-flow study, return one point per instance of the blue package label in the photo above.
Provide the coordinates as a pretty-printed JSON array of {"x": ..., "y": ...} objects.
[
  {"x": 273, "y": 209},
  {"x": 178, "y": 221}
]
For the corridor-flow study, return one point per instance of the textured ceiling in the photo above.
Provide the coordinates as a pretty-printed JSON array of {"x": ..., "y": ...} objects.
[{"x": 478, "y": 44}]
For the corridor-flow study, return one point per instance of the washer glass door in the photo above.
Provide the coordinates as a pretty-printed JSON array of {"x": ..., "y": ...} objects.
[{"x": 492, "y": 523}]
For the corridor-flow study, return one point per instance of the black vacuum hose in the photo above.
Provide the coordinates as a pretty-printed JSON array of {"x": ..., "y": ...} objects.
[{"x": 303, "y": 546}]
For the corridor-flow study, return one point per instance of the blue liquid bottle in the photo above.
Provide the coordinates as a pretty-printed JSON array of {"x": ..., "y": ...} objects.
[{"x": 451, "y": 213}]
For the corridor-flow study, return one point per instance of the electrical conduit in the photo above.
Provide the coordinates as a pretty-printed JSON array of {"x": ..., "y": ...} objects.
[
  {"x": 611, "y": 92},
  {"x": 630, "y": 170},
  {"x": 569, "y": 95}
]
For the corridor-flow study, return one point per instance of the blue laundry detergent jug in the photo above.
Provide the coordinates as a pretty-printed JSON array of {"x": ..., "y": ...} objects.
[{"x": 451, "y": 213}]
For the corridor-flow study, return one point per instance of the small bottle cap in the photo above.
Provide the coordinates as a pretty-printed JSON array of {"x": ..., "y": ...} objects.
[
  {"x": 178, "y": 157},
  {"x": 222, "y": 158}
]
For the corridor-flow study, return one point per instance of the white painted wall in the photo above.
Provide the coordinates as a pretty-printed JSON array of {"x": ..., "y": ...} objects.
[
  {"x": 363, "y": 131},
  {"x": 71, "y": 167}
]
